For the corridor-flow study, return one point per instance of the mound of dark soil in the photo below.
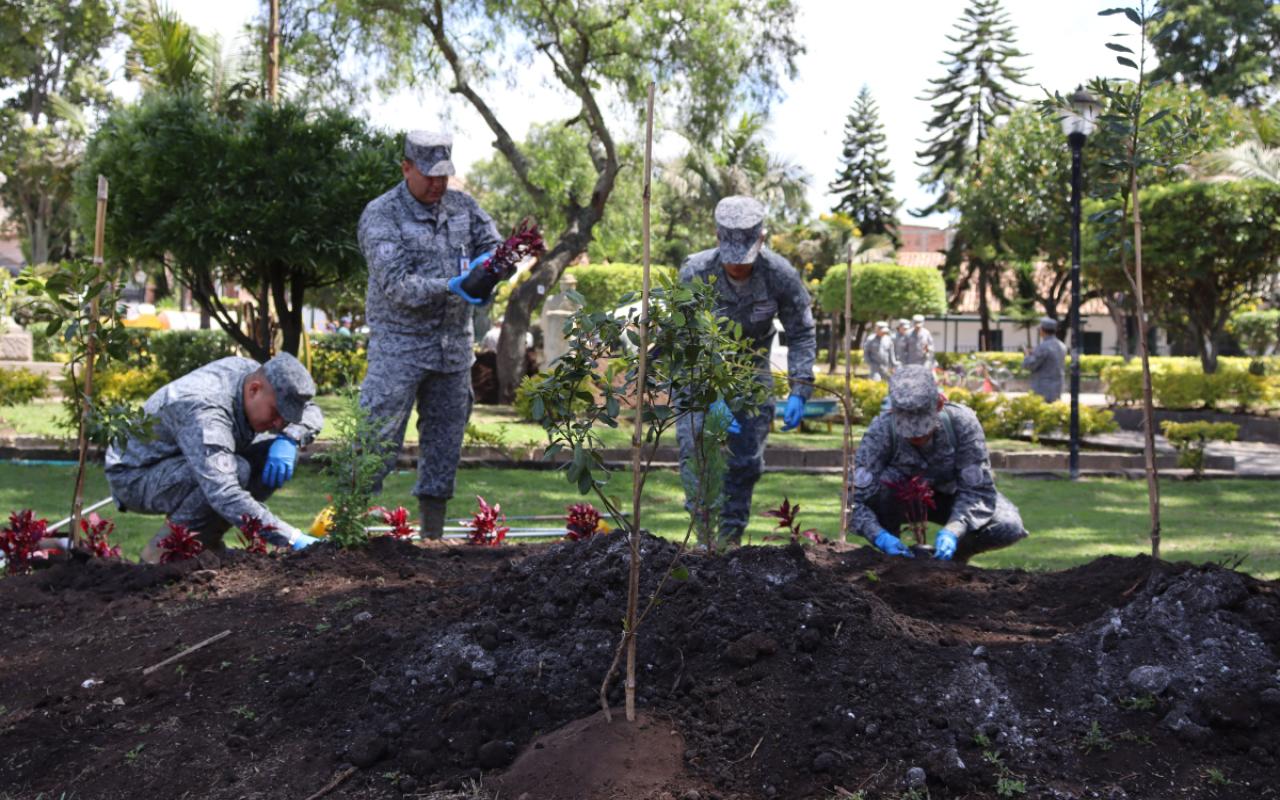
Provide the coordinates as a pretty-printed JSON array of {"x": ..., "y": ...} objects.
[{"x": 782, "y": 673}]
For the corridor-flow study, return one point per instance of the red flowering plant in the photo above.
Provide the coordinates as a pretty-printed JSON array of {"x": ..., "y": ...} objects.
[
  {"x": 20, "y": 541},
  {"x": 485, "y": 525},
  {"x": 180, "y": 545},
  {"x": 786, "y": 515},
  {"x": 915, "y": 495},
  {"x": 583, "y": 522},
  {"x": 524, "y": 242},
  {"x": 97, "y": 536},
  {"x": 253, "y": 535},
  {"x": 398, "y": 520}
]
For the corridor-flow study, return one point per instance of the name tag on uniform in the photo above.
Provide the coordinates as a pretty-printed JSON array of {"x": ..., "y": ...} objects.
[
  {"x": 463, "y": 263},
  {"x": 763, "y": 309}
]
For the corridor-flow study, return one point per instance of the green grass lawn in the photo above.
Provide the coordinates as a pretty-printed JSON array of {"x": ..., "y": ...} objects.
[{"x": 1070, "y": 523}]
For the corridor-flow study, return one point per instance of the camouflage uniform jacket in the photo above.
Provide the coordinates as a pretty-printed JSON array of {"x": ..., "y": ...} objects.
[
  {"x": 961, "y": 468},
  {"x": 201, "y": 418},
  {"x": 1046, "y": 364},
  {"x": 774, "y": 289},
  {"x": 412, "y": 251}
]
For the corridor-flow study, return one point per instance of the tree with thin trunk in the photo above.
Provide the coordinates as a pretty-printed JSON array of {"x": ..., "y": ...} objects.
[
  {"x": 703, "y": 59},
  {"x": 975, "y": 93},
  {"x": 864, "y": 181}
]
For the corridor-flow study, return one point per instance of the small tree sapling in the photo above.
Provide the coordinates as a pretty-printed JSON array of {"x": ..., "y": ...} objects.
[
  {"x": 787, "y": 517},
  {"x": 352, "y": 464}
]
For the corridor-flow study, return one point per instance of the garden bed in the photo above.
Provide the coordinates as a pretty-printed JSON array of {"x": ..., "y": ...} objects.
[
  {"x": 780, "y": 673},
  {"x": 1253, "y": 428}
]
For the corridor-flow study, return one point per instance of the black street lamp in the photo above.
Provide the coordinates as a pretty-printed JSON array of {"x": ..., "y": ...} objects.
[{"x": 1077, "y": 124}]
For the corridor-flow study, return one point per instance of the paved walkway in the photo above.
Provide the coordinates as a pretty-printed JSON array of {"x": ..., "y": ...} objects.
[{"x": 1253, "y": 459}]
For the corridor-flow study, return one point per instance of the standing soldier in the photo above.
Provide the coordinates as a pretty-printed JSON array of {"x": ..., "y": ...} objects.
[
  {"x": 923, "y": 435},
  {"x": 901, "y": 342},
  {"x": 877, "y": 351},
  {"x": 203, "y": 465},
  {"x": 1047, "y": 362},
  {"x": 419, "y": 239},
  {"x": 755, "y": 285},
  {"x": 920, "y": 345}
]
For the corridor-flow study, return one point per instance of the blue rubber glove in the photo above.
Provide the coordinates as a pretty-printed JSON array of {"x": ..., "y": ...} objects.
[
  {"x": 303, "y": 541},
  {"x": 721, "y": 410},
  {"x": 281, "y": 457},
  {"x": 793, "y": 413},
  {"x": 483, "y": 258},
  {"x": 891, "y": 545},
  {"x": 944, "y": 546},
  {"x": 455, "y": 286}
]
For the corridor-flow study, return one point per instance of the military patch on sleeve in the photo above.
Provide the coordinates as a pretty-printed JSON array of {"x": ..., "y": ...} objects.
[
  {"x": 221, "y": 460},
  {"x": 862, "y": 477},
  {"x": 386, "y": 250},
  {"x": 975, "y": 475}
]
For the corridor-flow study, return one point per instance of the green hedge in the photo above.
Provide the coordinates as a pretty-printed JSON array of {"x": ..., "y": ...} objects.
[
  {"x": 1190, "y": 439},
  {"x": 1005, "y": 417},
  {"x": 1176, "y": 384},
  {"x": 175, "y": 353},
  {"x": 19, "y": 386},
  {"x": 604, "y": 285},
  {"x": 338, "y": 361},
  {"x": 884, "y": 291}
]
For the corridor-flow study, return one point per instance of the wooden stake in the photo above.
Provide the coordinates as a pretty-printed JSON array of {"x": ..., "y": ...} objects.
[
  {"x": 273, "y": 53},
  {"x": 334, "y": 784},
  {"x": 193, "y": 648},
  {"x": 637, "y": 438},
  {"x": 848, "y": 400},
  {"x": 86, "y": 403}
]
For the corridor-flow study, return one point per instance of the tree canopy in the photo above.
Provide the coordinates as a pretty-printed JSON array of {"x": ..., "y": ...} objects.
[
  {"x": 884, "y": 291},
  {"x": 1226, "y": 47},
  {"x": 864, "y": 181}
]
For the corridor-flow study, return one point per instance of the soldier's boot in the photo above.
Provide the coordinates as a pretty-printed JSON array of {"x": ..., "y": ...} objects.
[
  {"x": 432, "y": 510},
  {"x": 212, "y": 540},
  {"x": 152, "y": 552}
]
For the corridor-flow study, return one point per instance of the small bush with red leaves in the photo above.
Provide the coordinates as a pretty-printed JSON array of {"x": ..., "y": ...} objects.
[
  {"x": 20, "y": 541},
  {"x": 97, "y": 536},
  {"x": 915, "y": 496},
  {"x": 486, "y": 525},
  {"x": 583, "y": 522},
  {"x": 786, "y": 515},
  {"x": 253, "y": 535},
  {"x": 398, "y": 520},
  {"x": 524, "y": 242},
  {"x": 180, "y": 545}
]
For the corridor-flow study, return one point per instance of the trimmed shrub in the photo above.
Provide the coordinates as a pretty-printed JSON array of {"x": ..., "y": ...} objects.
[
  {"x": 523, "y": 402},
  {"x": 868, "y": 395},
  {"x": 1179, "y": 383},
  {"x": 884, "y": 291},
  {"x": 1191, "y": 438},
  {"x": 1258, "y": 331},
  {"x": 129, "y": 385},
  {"x": 1122, "y": 383},
  {"x": 338, "y": 361},
  {"x": 175, "y": 353},
  {"x": 1003, "y": 417},
  {"x": 19, "y": 386},
  {"x": 1094, "y": 365},
  {"x": 604, "y": 285}
]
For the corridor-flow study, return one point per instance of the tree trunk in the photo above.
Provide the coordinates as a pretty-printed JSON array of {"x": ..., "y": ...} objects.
[
  {"x": 984, "y": 310},
  {"x": 288, "y": 297},
  {"x": 1208, "y": 352},
  {"x": 1148, "y": 403},
  {"x": 263, "y": 333}
]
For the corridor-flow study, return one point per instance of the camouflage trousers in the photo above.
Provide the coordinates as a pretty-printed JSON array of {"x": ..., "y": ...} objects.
[
  {"x": 743, "y": 470},
  {"x": 444, "y": 400},
  {"x": 170, "y": 487},
  {"x": 1004, "y": 529}
]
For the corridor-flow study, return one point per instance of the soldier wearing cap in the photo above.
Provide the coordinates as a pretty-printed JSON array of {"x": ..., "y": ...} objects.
[
  {"x": 206, "y": 463},
  {"x": 920, "y": 343},
  {"x": 419, "y": 240},
  {"x": 877, "y": 352},
  {"x": 923, "y": 435},
  {"x": 900, "y": 342},
  {"x": 755, "y": 286},
  {"x": 1047, "y": 362}
]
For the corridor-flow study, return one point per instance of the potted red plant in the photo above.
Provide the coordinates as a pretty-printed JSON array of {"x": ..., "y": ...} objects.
[
  {"x": 916, "y": 497},
  {"x": 524, "y": 242},
  {"x": 485, "y": 525}
]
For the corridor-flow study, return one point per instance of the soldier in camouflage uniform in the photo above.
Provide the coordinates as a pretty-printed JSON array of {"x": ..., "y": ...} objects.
[
  {"x": 419, "y": 240},
  {"x": 1047, "y": 362},
  {"x": 902, "y": 343},
  {"x": 205, "y": 464},
  {"x": 877, "y": 352},
  {"x": 942, "y": 442},
  {"x": 755, "y": 285},
  {"x": 920, "y": 343}
]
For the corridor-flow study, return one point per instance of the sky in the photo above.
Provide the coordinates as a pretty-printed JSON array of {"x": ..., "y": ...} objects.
[{"x": 892, "y": 47}]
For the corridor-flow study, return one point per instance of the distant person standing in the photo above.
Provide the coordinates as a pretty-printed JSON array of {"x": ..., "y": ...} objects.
[
  {"x": 877, "y": 352},
  {"x": 901, "y": 341},
  {"x": 920, "y": 343},
  {"x": 1047, "y": 362}
]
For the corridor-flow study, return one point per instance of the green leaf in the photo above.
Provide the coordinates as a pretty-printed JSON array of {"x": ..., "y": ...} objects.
[
  {"x": 1133, "y": 16},
  {"x": 680, "y": 573},
  {"x": 1128, "y": 62},
  {"x": 1108, "y": 12},
  {"x": 1119, "y": 48}
]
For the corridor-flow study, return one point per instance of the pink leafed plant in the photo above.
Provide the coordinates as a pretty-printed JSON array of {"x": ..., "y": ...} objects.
[
  {"x": 20, "y": 541},
  {"x": 253, "y": 535},
  {"x": 97, "y": 536},
  {"x": 180, "y": 545},
  {"x": 915, "y": 494},
  {"x": 486, "y": 525},
  {"x": 525, "y": 241},
  {"x": 786, "y": 515},
  {"x": 398, "y": 520},
  {"x": 583, "y": 522}
]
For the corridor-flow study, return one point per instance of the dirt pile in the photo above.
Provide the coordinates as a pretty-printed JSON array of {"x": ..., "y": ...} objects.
[{"x": 786, "y": 672}]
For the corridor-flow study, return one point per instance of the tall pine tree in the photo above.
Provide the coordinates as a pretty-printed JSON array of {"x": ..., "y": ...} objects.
[
  {"x": 864, "y": 181},
  {"x": 973, "y": 95}
]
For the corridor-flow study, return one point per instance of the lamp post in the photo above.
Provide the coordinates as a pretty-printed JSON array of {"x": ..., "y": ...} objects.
[{"x": 1077, "y": 124}]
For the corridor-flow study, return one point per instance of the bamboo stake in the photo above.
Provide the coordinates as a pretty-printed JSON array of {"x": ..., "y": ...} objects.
[
  {"x": 637, "y": 438},
  {"x": 1148, "y": 405},
  {"x": 86, "y": 407},
  {"x": 273, "y": 53},
  {"x": 193, "y": 648},
  {"x": 848, "y": 400}
]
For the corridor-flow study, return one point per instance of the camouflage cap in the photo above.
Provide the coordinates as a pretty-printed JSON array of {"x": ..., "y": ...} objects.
[
  {"x": 430, "y": 152},
  {"x": 292, "y": 384},
  {"x": 918, "y": 318},
  {"x": 904, "y": 323},
  {"x": 882, "y": 326},
  {"x": 1048, "y": 324},
  {"x": 739, "y": 224},
  {"x": 914, "y": 397}
]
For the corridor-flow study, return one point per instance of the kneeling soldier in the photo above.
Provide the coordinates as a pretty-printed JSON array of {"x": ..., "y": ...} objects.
[
  {"x": 923, "y": 435},
  {"x": 204, "y": 466}
]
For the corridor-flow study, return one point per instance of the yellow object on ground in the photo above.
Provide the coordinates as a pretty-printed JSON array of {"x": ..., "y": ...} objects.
[{"x": 323, "y": 523}]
